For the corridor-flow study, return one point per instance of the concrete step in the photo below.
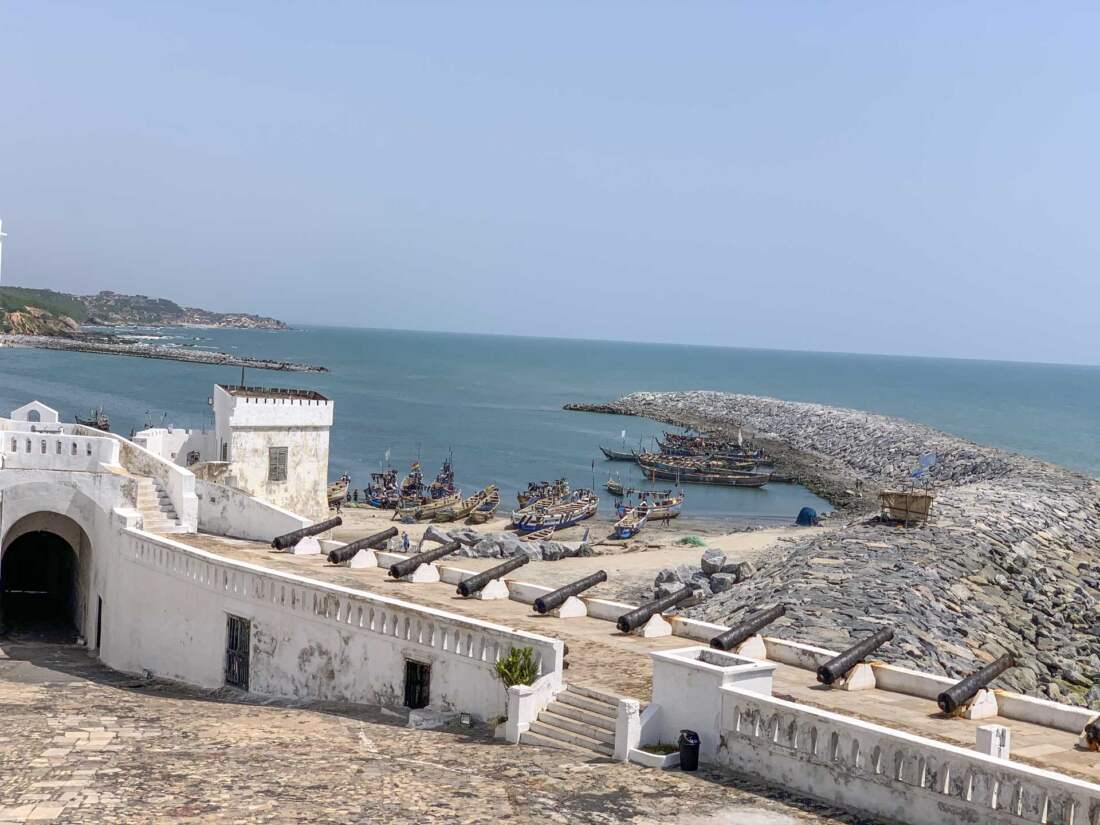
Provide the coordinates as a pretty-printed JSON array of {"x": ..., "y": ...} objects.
[
  {"x": 595, "y": 693},
  {"x": 570, "y": 738},
  {"x": 576, "y": 726},
  {"x": 587, "y": 703},
  {"x": 529, "y": 738},
  {"x": 595, "y": 720}
]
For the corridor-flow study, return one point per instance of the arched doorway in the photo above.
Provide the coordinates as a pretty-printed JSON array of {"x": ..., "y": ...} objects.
[{"x": 39, "y": 587}]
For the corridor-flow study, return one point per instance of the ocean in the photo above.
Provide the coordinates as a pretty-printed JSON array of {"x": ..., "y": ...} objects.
[{"x": 495, "y": 402}]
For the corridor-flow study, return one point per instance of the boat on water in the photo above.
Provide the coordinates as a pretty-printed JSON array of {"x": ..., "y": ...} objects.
[
  {"x": 617, "y": 455},
  {"x": 98, "y": 420},
  {"x": 615, "y": 487},
  {"x": 487, "y": 508},
  {"x": 580, "y": 505},
  {"x": 632, "y": 521},
  {"x": 694, "y": 465},
  {"x": 720, "y": 479}
]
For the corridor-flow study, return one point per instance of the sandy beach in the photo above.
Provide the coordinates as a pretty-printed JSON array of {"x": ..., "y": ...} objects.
[{"x": 631, "y": 566}]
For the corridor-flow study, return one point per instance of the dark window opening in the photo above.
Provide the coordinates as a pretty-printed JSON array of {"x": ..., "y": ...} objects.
[
  {"x": 418, "y": 677},
  {"x": 38, "y": 587},
  {"x": 276, "y": 463},
  {"x": 238, "y": 643}
]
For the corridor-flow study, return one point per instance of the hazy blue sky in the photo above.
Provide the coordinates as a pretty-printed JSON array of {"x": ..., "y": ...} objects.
[{"x": 877, "y": 177}]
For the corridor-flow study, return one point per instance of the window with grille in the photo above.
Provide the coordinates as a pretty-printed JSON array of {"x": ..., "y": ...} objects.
[{"x": 276, "y": 463}]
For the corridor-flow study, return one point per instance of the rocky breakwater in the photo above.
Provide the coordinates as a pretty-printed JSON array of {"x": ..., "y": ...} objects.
[{"x": 1010, "y": 560}]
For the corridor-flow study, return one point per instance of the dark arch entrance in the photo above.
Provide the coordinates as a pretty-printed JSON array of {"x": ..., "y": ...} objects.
[{"x": 38, "y": 587}]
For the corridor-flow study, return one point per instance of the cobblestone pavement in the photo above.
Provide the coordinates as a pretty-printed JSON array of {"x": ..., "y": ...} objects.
[{"x": 82, "y": 744}]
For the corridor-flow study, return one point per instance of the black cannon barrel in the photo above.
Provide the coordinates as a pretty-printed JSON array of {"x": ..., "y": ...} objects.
[
  {"x": 544, "y": 604},
  {"x": 956, "y": 695},
  {"x": 349, "y": 550},
  {"x": 473, "y": 584},
  {"x": 839, "y": 665},
  {"x": 748, "y": 628},
  {"x": 290, "y": 539},
  {"x": 640, "y": 615},
  {"x": 403, "y": 568}
]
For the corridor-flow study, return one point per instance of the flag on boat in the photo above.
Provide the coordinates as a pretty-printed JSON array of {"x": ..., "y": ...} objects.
[
  {"x": 387, "y": 456},
  {"x": 740, "y": 440},
  {"x": 622, "y": 435},
  {"x": 415, "y": 465}
]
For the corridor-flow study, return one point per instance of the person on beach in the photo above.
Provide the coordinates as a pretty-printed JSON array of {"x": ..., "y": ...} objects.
[{"x": 405, "y": 541}]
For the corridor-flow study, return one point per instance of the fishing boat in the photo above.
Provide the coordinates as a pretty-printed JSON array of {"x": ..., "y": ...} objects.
[
  {"x": 383, "y": 492},
  {"x": 614, "y": 486},
  {"x": 663, "y": 505},
  {"x": 721, "y": 479},
  {"x": 487, "y": 508},
  {"x": 632, "y": 521},
  {"x": 463, "y": 508},
  {"x": 98, "y": 420},
  {"x": 338, "y": 490},
  {"x": 444, "y": 484},
  {"x": 693, "y": 465},
  {"x": 580, "y": 505},
  {"x": 617, "y": 455},
  {"x": 538, "y": 535},
  {"x": 545, "y": 491},
  {"x": 425, "y": 510}
]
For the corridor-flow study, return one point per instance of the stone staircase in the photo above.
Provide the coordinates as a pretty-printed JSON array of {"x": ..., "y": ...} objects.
[
  {"x": 579, "y": 718},
  {"x": 157, "y": 513}
]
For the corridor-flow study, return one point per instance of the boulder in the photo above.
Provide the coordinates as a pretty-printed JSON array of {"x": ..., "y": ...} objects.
[
  {"x": 721, "y": 582},
  {"x": 712, "y": 561},
  {"x": 744, "y": 570}
]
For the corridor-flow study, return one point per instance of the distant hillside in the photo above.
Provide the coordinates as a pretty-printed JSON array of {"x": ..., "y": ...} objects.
[{"x": 45, "y": 312}]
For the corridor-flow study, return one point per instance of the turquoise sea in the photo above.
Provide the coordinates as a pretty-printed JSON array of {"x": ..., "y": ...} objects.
[{"x": 496, "y": 401}]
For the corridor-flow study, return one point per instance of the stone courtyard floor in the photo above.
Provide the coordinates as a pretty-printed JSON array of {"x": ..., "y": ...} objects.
[{"x": 83, "y": 744}]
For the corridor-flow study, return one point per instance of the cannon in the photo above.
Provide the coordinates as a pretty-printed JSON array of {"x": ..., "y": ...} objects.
[
  {"x": 839, "y": 665},
  {"x": 349, "y": 550},
  {"x": 472, "y": 584},
  {"x": 544, "y": 604},
  {"x": 640, "y": 615},
  {"x": 748, "y": 628},
  {"x": 407, "y": 566},
  {"x": 290, "y": 539},
  {"x": 963, "y": 690}
]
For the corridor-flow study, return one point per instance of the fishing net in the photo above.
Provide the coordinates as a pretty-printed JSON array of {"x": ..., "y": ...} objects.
[{"x": 692, "y": 541}]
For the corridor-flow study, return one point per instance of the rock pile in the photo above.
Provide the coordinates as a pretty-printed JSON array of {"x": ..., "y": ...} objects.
[
  {"x": 1010, "y": 560},
  {"x": 713, "y": 575},
  {"x": 505, "y": 545}
]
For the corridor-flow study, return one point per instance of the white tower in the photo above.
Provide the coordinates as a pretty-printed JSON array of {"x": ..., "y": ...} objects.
[{"x": 2, "y": 236}]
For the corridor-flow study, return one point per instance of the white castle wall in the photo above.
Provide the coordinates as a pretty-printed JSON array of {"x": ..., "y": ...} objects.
[
  {"x": 310, "y": 640},
  {"x": 225, "y": 511}
]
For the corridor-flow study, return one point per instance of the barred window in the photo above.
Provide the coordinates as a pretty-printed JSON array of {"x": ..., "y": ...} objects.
[{"x": 276, "y": 463}]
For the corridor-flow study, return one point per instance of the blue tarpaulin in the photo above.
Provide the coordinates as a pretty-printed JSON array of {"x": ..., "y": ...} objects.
[{"x": 807, "y": 517}]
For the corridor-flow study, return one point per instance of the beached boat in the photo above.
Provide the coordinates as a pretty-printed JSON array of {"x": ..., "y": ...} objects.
[
  {"x": 417, "y": 510},
  {"x": 617, "y": 455},
  {"x": 98, "y": 420},
  {"x": 338, "y": 490},
  {"x": 463, "y": 508},
  {"x": 487, "y": 508},
  {"x": 580, "y": 505},
  {"x": 538, "y": 535},
  {"x": 663, "y": 505},
  {"x": 544, "y": 491},
  {"x": 383, "y": 492},
  {"x": 720, "y": 479},
  {"x": 632, "y": 521}
]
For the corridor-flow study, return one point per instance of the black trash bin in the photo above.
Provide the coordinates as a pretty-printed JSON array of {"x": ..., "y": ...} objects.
[{"x": 689, "y": 750}]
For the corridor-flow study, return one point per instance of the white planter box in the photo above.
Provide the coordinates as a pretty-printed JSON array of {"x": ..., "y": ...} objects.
[{"x": 662, "y": 761}]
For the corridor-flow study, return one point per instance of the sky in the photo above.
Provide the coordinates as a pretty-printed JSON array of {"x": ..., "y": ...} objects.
[{"x": 903, "y": 178}]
